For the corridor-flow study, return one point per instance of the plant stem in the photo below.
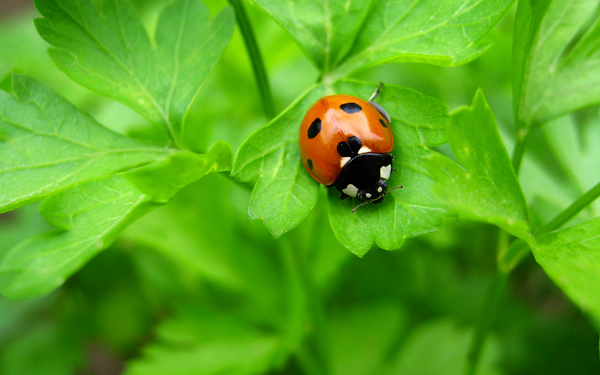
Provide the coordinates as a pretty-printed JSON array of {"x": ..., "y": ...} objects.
[
  {"x": 296, "y": 303},
  {"x": 303, "y": 308},
  {"x": 496, "y": 285},
  {"x": 255, "y": 58},
  {"x": 517, "y": 155},
  {"x": 493, "y": 293},
  {"x": 296, "y": 295},
  {"x": 519, "y": 248},
  {"x": 307, "y": 361},
  {"x": 572, "y": 210}
]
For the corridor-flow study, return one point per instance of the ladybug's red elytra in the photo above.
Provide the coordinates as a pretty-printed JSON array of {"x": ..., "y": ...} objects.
[{"x": 347, "y": 142}]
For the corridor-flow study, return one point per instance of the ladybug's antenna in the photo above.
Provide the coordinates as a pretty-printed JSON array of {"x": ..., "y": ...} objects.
[
  {"x": 395, "y": 187},
  {"x": 376, "y": 92},
  {"x": 362, "y": 204},
  {"x": 381, "y": 197}
]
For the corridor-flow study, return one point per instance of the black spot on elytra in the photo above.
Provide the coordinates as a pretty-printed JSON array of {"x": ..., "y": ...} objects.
[
  {"x": 350, "y": 147},
  {"x": 351, "y": 108},
  {"x": 310, "y": 164},
  {"x": 383, "y": 123},
  {"x": 314, "y": 128}
]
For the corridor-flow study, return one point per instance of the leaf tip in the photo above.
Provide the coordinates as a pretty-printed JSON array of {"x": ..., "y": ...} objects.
[
  {"x": 479, "y": 100},
  {"x": 222, "y": 153},
  {"x": 42, "y": 26},
  {"x": 359, "y": 252},
  {"x": 227, "y": 13},
  {"x": 23, "y": 85}
]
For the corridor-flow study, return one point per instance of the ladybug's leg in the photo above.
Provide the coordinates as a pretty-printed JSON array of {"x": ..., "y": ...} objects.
[
  {"x": 376, "y": 92},
  {"x": 344, "y": 196}
]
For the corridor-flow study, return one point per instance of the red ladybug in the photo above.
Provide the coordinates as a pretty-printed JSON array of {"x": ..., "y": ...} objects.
[{"x": 346, "y": 141}]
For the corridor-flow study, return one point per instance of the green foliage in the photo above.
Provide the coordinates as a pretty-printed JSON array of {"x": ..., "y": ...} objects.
[
  {"x": 284, "y": 193},
  {"x": 484, "y": 187},
  {"x": 90, "y": 216},
  {"x": 179, "y": 231},
  {"x": 440, "y": 345},
  {"x": 163, "y": 179},
  {"x": 140, "y": 259},
  {"x": 571, "y": 257},
  {"x": 349, "y": 36},
  {"x": 361, "y": 336},
  {"x": 557, "y": 55},
  {"x": 203, "y": 342},
  {"x": 324, "y": 29},
  {"x": 64, "y": 357},
  {"x": 424, "y": 31},
  {"x": 48, "y": 145},
  {"x": 109, "y": 51}
]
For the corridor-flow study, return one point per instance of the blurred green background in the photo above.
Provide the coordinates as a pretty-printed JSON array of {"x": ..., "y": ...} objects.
[{"x": 196, "y": 288}]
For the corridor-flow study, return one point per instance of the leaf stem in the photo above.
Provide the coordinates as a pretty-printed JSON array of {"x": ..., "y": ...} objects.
[
  {"x": 258, "y": 66},
  {"x": 493, "y": 293}
]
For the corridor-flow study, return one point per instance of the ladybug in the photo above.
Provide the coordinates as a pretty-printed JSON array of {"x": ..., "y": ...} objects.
[{"x": 347, "y": 142}]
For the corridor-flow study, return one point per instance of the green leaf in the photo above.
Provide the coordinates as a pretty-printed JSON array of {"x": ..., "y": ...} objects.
[
  {"x": 571, "y": 257},
  {"x": 440, "y": 347},
  {"x": 324, "y": 29},
  {"x": 161, "y": 180},
  {"x": 20, "y": 224},
  {"x": 91, "y": 215},
  {"x": 444, "y": 33},
  {"x": 198, "y": 341},
  {"x": 109, "y": 51},
  {"x": 556, "y": 65},
  {"x": 284, "y": 193},
  {"x": 418, "y": 121},
  {"x": 485, "y": 187},
  {"x": 50, "y": 145}
]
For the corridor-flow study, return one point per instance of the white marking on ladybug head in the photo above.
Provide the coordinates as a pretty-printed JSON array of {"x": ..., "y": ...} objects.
[
  {"x": 364, "y": 150},
  {"x": 385, "y": 172},
  {"x": 344, "y": 160},
  {"x": 379, "y": 189},
  {"x": 351, "y": 190},
  {"x": 368, "y": 195}
]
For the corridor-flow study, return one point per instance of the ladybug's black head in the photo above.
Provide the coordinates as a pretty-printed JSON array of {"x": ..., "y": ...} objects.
[{"x": 373, "y": 193}]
